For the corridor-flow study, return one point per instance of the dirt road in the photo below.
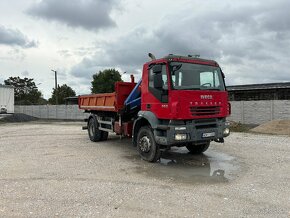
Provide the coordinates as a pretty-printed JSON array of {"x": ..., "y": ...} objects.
[{"x": 52, "y": 169}]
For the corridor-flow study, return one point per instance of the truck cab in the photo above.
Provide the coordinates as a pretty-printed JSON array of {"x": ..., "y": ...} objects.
[{"x": 180, "y": 101}]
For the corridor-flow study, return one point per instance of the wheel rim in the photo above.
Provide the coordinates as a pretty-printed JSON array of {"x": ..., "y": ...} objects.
[{"x": 145, "y": 144}]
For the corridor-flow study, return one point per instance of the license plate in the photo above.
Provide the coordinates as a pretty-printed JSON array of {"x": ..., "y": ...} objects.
[{"x": 208, "y": 134}]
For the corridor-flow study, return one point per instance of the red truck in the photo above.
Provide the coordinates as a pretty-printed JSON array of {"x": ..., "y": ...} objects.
[{"x": 180, "y": 101}]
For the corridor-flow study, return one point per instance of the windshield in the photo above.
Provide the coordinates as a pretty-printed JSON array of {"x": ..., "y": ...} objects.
[{"x": 187, "y": 76}]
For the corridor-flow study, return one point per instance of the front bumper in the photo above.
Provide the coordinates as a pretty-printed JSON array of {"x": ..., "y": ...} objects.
[{"x": 194, "y": 131}]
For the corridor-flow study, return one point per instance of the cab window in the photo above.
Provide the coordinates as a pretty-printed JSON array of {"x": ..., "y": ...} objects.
[{"x": 160, "y": 94}]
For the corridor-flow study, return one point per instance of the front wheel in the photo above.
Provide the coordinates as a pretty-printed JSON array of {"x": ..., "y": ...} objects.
[
  {"x": 146, "y": 145},
  {"x": 197, "y": 149}
]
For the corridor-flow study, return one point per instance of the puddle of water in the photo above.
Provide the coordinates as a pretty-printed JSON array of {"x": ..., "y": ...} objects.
[{"x": 177, "y": 165}]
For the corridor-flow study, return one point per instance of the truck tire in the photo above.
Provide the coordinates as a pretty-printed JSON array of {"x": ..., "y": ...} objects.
[
  {"x": 95, "y": 134},
  {"x": 104, "y": 136},
  {"x": 146, "y": 145},
  {"x": 197, "y": 149}
]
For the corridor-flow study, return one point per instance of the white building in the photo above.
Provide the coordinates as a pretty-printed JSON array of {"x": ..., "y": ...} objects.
[{"x": 6, "y": 99}]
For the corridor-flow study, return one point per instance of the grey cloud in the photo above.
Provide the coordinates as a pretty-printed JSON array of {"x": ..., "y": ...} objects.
[
  {"x": 276, "y": 16},
  {"x": 25, "y": 73},
  {"x": 81, "y": 51},
  {"x": 83, "y": 71},
  {"x": 246, "y": 39},
  {"x": 13, "y": 37},
  {"x": 13, "y": 54},
  {"x": 65, "y": 53},
  {"x": 89, "y": 14}
]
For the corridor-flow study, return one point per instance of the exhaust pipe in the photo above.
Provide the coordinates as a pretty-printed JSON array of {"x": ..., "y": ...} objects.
[{"x": 152, "y": 56}]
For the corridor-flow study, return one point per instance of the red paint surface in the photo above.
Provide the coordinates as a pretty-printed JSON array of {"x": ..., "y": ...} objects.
[{"x": 183, "y": 104}]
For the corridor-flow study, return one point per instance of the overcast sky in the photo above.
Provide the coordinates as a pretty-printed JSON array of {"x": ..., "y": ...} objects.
[{"x": 249, "y": 39}]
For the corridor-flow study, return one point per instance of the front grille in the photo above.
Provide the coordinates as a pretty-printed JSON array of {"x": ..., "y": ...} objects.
[{"x": 204, "y": 111}]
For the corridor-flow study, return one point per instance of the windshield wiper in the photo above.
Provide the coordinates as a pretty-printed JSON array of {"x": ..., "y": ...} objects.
[
  {"x": 175, "y": 68},
  {"x": 187, "y": 88},
  {"x": 210, "y": 89},
  {"x": 193, "y": 89}
]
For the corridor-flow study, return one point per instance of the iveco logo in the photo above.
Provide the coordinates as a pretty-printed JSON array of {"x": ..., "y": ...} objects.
[{"x": 206, "y": 97}]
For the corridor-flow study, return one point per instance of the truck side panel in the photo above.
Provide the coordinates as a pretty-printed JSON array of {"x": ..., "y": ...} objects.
[
  {"x": 112, "y": 102},
  {"x": 98, "y": 102}
]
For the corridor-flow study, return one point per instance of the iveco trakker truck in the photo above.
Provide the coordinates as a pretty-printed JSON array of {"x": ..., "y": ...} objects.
[{"x": 180, "y": 101}]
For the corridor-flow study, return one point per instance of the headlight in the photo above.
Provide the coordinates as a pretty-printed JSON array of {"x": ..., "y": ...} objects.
[
  {"x": 180, "y": 137},
  {"x": 226, "y": 131}
]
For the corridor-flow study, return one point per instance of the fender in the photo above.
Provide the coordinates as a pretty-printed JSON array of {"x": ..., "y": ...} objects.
[
  {"x": 144, "y": 118},
  {"x": 148, "y": 115}
]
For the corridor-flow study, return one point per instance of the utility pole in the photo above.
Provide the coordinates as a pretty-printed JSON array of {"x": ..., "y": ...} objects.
[{"x": 56, "y": 90}]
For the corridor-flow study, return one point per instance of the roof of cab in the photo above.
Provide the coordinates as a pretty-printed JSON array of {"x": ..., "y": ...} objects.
[{"x": 189, "y": 57}]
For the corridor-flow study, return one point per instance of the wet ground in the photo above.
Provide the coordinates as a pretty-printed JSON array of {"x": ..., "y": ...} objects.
[
  {"x": 182, "y": 167},
  {"x": 52, "y": 169}
]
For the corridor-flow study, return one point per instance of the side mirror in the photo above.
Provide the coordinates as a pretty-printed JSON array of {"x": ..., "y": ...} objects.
[
  {"x": 157, "y": 81},
  {"x": 157, "y": 69}
]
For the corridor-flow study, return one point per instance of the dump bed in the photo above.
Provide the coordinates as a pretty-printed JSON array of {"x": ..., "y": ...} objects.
[{"x": 113, "y": 102}]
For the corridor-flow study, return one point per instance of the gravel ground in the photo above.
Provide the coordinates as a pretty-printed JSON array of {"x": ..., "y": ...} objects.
[
  {"x": 16, "y": 117},
  {"x": 52, "y": 169}
]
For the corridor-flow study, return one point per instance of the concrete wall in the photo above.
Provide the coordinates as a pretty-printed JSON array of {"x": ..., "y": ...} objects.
[
  {"x": 64, "y": 112},
  {"x": 257, "y": 112},
  {"x": 247, "y": 112}
]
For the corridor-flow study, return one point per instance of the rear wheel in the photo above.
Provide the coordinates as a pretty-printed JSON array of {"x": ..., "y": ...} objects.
[
  {"x": 146, "y": 145},
  {"x": 197, "y": 149},
  {"x": 95, "y": 134}
]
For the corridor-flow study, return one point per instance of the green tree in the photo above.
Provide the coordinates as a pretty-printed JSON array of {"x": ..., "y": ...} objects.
[
  {"x": 104, "y": 81},
  {"x": 62, "y": 92},
  {"x": 25, "y": 91}
]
